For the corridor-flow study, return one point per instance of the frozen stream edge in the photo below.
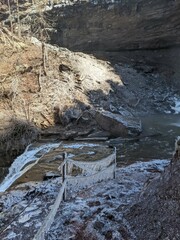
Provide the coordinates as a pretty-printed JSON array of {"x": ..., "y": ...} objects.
[{"x": 16, "y": 170}]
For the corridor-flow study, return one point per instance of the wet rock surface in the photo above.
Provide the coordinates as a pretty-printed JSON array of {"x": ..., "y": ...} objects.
[{"x": 118, "y": 125}]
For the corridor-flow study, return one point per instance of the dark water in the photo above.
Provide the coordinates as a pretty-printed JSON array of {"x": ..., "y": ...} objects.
[{"x": 160, "y": 146}]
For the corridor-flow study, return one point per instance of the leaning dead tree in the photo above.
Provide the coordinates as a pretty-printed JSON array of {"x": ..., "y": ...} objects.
[{"x": 18, "y": 19}]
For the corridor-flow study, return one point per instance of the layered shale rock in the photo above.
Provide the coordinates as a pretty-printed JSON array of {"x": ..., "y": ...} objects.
[
  {"x": 115, "y": 25},
  {"x": 99, "y": 25}
]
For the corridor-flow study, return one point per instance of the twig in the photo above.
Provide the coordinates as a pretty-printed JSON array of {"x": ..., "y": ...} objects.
[{"x": 46, "y": 118}]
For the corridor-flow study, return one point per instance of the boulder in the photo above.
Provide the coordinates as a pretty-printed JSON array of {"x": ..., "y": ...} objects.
[
  {"x": 68, "y": 115},
  {"x": 118, "y": 125}
]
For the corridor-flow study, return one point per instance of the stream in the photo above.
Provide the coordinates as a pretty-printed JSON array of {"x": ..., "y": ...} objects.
[
  {"x": 161, "y": 146},
  {"x": 156, "y": 142}
]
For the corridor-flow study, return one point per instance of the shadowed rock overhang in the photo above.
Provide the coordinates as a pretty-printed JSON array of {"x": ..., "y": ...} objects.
[{"x": 115, "y": 25}]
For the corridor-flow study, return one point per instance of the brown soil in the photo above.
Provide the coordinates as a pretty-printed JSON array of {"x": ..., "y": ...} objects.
[{"x": 32, "y": 88}]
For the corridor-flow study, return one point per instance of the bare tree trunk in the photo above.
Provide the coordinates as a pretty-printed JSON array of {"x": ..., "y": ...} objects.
[
  {"x": 10, "y": 16},
  {"x": 18, "y": 19}
]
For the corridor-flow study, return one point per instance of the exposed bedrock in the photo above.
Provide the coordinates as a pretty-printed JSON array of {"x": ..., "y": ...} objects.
[
  {"x": 118, "y": 125},
  {"x": 115, "y": 25}
]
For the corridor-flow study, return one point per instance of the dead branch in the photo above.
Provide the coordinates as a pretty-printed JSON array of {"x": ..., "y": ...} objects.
[
  {"x": 46, "y": 118},
  {"x": 44, "y": 58},
  {"x": 15, "y": 38}
]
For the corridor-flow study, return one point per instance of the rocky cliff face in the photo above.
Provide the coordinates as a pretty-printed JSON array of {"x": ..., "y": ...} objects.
[
  {"x": 115, "y": 25},
  {"x": 100, "y": 25}
]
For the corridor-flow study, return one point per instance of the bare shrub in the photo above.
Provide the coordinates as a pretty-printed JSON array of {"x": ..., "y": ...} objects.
[{"x": 18, "y": 136}]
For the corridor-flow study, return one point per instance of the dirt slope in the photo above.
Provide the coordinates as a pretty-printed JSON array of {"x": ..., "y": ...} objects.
[{"x": 33, "y": 84}]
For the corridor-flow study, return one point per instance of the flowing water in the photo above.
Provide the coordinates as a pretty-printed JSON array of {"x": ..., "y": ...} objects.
[{"x": 165, "y": 129}]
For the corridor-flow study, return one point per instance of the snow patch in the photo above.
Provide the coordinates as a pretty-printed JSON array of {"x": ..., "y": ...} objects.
[
  {"x": 176, "y": 106},
  {"x": 79, "y": 145},
  {"x": 176, "y": 124},
  {"x": 27, "y": 216},
  {"x": 12, "y": 198},
  {"x": 12, "y": 235},
  {"x": 156, "y": 164},
  {"x": 90, "y": 153}
]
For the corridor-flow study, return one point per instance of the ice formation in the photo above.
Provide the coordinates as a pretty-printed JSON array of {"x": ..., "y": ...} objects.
[
  {"x": 18, "y": 168},
  {"x": 91, "y": 167},
  {"x": 86, "y": 181},
  {"x": 176, "y": 108},
  {"x": 91, "y": 172},
  {"x": 79, "y": 145}
]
